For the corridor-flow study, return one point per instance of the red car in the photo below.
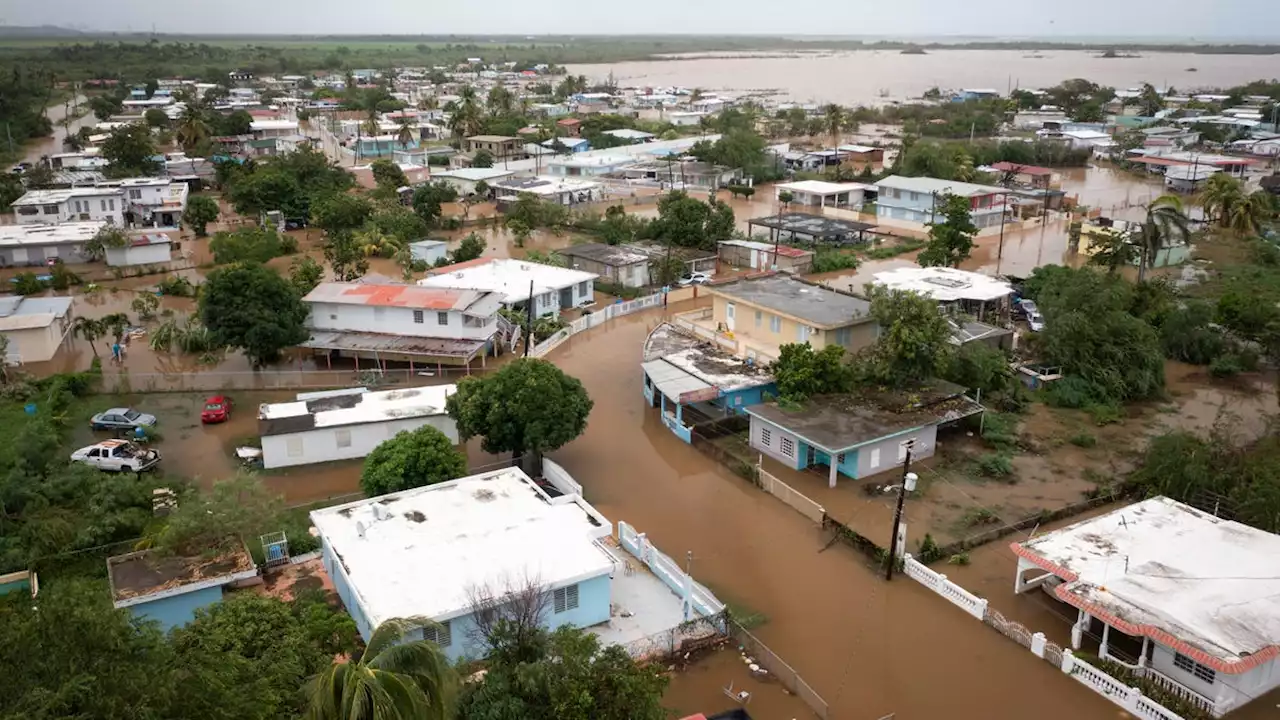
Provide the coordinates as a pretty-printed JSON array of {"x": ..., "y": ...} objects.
[{"x": 216, "y": 409}]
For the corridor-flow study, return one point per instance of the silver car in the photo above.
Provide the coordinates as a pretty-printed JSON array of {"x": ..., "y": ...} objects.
[{"x": 121, "y": 419}]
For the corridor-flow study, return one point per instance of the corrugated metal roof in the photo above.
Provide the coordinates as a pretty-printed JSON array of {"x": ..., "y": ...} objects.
[
  {"x": 671, "y": 380},
  {"x": 405, "y": 296}
]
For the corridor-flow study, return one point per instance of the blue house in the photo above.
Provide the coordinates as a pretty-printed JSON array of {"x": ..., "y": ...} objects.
[
  {"x": 858, "y": 435},
  {"x": 20, "y": 581},
  {"x": 170, "y": 589},
  {"x": 450, "y": 550},
  {"x": 570, "y": 144},
  {"x": 692, "y": 381}
]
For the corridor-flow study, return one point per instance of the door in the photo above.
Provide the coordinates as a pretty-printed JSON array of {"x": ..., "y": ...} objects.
[
  {"x": 20, "y": 256},
  {"x": 728, "y": 316},
  {"x": 566, "y": 297},
  {"x": 755, "y": 259}
]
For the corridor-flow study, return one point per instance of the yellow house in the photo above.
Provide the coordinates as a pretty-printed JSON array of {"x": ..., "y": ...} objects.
[{"x": 765, "y": 313}]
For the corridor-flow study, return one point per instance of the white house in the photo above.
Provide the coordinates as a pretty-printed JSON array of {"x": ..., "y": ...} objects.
[
  {"x": 631, "y": 136},
  {"x": 384, "y": 322},
  {"x": 150, "y": 249},
  {"x": 429, "y": 251},
  {"x": 70, "y": 205},
  {"x": 558, "y": 190},
  {"x": 445, "y": 551},
  {"x": 347, "y": 424},
  {"x": 464, "y": 180},
  {"x": 1188, "y": 600},
  {"x": 263, "y": 129},
  {"x": 916, "y": 199},
  {"x": 23, "y": 245},
  {"x": 155, "y": 201},
  {"x": 819, "y": 193},
  {"x": 552, "y": 288},
  {"x": 36, "y": 327}
]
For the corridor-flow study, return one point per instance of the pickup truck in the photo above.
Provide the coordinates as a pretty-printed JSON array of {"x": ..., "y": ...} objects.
[{"x": 117, "y": 456}]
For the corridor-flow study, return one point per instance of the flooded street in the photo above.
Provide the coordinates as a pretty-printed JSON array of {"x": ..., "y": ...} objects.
[
  {"x": 866, "y": 647},
  {"x": 35, "y": 149},
  {"x": 868, "y": 77}
]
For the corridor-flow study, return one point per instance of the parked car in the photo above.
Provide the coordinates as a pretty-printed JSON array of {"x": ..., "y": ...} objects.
[
  {"x": 122, "y": 419},
  {"x": 117, "y": 456},
  {"x": 695, "y": 278},
  {"x": 1025, "y": 308},
  {"x": 217, "y": 409},
  {"x": 1035, "y": 321}
]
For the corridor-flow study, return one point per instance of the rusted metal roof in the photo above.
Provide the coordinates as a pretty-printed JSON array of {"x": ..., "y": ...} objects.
[{"x": 401, "y": 344}]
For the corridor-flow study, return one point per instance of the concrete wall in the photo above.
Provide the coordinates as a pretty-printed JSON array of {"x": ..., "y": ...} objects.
[
  {"x": 860, "y": 462},
  {"x": 36, "y": 255},
  {"x": 109, "y": 206},
  {"x": 343, "y": 443},
  {"x": 429, "y": 255},
  {"x": 342, "y": 585},
  {"x": 887, "y": 453},
  {"x": 37, "y": 344},
  {"x": 177, "y": 610},
  {"x": 633, "y": 275},
  {"x": 769, "y": 328},
  {"x": 139, "y": 255},
  {"x": 396, "y": 321}
]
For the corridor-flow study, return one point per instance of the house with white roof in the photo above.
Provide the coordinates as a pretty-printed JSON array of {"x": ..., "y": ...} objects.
[
  {"x": 1185, "y": 599},
  {"x": 550, "y": 288},
  {"x": 82, "y": 204},
  {"x": 915, "y": 200},
  {"x": 820, "y": 194},
  {"x": 946, "y": 285},
  {"x": 630, "y": 135},
  {"x": 558, "y": 190},
  {"x": 36, "y": 327},
  {"x": 347, "y": 424},
  {"x": 27, "y": 245},
  {"x": 146, "y": 249},
  {"x": 381, "y": 322},
  {"x": 263, "y": 129},
  {"x": 464, "y": 180},
  {"x": 448, "y": 550}
]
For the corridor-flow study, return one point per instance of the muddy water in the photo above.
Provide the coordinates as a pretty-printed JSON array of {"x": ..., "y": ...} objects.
[
  {"x": 875, "y": 76},
  {"x": 869, "y": 648},
  {"x": 34, "y": 149}
]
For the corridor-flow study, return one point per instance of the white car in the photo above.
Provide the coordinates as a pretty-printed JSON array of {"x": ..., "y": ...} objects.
[
  {"x": 695, "y": 278},
  {"x": 1035, "y": 321},
  {"x": 117, "y": 456}
]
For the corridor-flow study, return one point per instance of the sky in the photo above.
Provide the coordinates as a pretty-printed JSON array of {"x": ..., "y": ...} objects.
[{"x": 1256, "y": 20}]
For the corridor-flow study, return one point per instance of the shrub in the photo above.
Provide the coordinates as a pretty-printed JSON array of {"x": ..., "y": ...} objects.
[
  {"x": 250, "y": 244},
  {"x": 1000, "y": 431},
  {"x": 831, "y": 260},
  {"x": 1225, "y": 366},
  {"x": 1071, "y": 392},
  {"x": 960, "y": 558},
  {"x": 974, "y": 517},
  {"x": 1083, "y": 439},
  {"x": 998, "y": 465},
  {"x": 1105, "y": 413},
  {"x": 28, "y": 283},
  {"x": 929, "y": 550}
]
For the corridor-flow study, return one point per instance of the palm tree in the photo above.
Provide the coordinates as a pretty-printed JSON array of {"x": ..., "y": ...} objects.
[
  {"x": 1115, "y": 252},
  {"x": 375, "y": 242},
  {"x": 89, "y": 330},
  {"x": 404, "y": 135},
  {"x": 1220, "y": 196},
  {"x": 404, "y": 258},
  {"x": 392, "y": 680},
  {"x": 115, "y": 325},
  {"x": 833, "y": 118},
  {"x": 1249, "y": 214},
  {"x": 1166, "y": 223},
  {"x": 192, "y": 129}
]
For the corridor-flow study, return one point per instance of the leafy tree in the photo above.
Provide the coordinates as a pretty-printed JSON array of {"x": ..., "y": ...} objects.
[
  {"x": 977, "y": 366},
  {"x": 1166, "y": 223},
  {"x": 483, "y": 159},
  {"x": 411, "y": 459},
  {"x": 800, "y": 372},
  {"x": 471, "y": 247},
  {"x": 156, "y": 118},
  {"x": 305, "y": 274},
  {"x": 252, "y": 308},
  {"x": 393, "y": 679},
  {"x": 520, "y": 231},
  {"x": 1114, "y": 251},
  {"x": 201, "y": 210},
  {"x": 427, "y": 200},
  {"x": 574, "y": 679},
  {"x": 10, "y": 189},
  {"x": 529, "y": 406},
  {"x": 1150, "y": 101},
  {"x": 130, "y": 151},
  {"x": 535, "y": 212},
  {"x": 914, "y": 342},
  {"x": 250, "y": 244},
  {"x": 950, "y": 241},
  {"x": 689, "y": 222},
  {"x": 341, "y": 212},
  {"x": 109, "y": 236},
  {"x": 388, "y": 174},
  {"x": 290, "y": 183},
  {"x": 104, "y": 107},
  {"x": 345, "y": 253}
]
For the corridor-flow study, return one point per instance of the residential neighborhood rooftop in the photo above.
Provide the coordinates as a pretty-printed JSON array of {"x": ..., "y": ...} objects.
[
  {"x": 1166, "y": 570},
  {"x": 54, "y": 197},
  {"x": 944, "y": 284},
  {"x": 474, "y": 534},
  {"x": 612, "y": 255},
  {"x": 822, "y": 187},
  {"x": 147, "y": 575},
  {"x": 512, "y": 278},
  {"x": 818, "y": 227},
  {"x": 71, "y": 232},
  {"x": 472, "y": 302},
  {"x": 1023, "y": 169},
  {"x": 680, "y": 364},
  {"x": 351, "y": 407},
  {"x": 474, "y": 174},
  {"x": 814, "y": 304},
  {"x": 23, "y": 313},
  {"x": 934, "y": 185}
]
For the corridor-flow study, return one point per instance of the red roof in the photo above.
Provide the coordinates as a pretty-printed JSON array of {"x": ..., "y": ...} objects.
[
  {"x": 787, "y": 251},
  {"x": 1021, "y": 169},
  {"x": 406, "y": 296},
  {"x": 569, "y": 121}
]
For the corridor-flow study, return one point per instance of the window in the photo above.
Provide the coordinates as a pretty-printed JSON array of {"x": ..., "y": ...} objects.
[
  {"x": 135, "y": 194},
  {"x": 565, "y": 598},
  {"x": 293, "y": 447},
  {"x": 844, "y": 336},
  {"x": 417, "y": 317},
  {"x": 343, "y": 438},
  {"x": 759, "y": 318},
  {"x": 111, "y": 204},
  {"x": 440, "y": 634},
  {"x": 840, "y": 459},
  {"x": 104, "y": 205},
  {"x": 1186, "y": 664},
  {"x": 875, "y": 458},
  {"x": 442, "y": 318},
  {"x": 379, "y": 313},
  {"x": 50, "y": 209},
  {"x": 766, "y": 437},
  {"x": 582, "y": 288},
  {"x": 775, "y": 324},
  {"x": 28, "y": 210},
  {"x": 788, "y": 447}
]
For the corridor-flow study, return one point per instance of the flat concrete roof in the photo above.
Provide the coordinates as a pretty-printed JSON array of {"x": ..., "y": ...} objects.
[
  {"x": 508, "y": 276},
  {"x": 1206, "y": 586},
  {"x": 612, "y": 255},
  {"x": 818, "y": 227},
  {"x": 348, "y": 407},
  {"x": 944, "y": 284},
  {"x": 814, "y": 304},
  {"x": 934, "y": 185}
]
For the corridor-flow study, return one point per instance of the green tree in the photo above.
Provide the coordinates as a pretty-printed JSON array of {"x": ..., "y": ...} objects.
[
  {"x": 90, "y": 330},
  {"x": 1166, "y": 223},
  {"x": 388, "y": 174},
  {"x": 950, "y": 241},
  {"x": 977, "y": 366},
  {"x": 471, "y": 247},
  {"x": 201, "y": 210},
  {"x": 914, "y": 343},
  {"x": 482, "y": 159},
  {"x": 572, "y": 678},
  {"x": 130, "y": 151},
  {"x": 252, "y": 308},
  {"x": 1114, "y": 251},
  {"x": 250, "y": 244},
  {"x": 396, "y": 678},
  {"x": 345, "y": 253},
  {"x": 689, "y": 222},
  {"x": 192, "y": 130},
  {"x": 156, "y": 118},
  {"x": 1254, "y": 211},
  {"x": 520, "y": 231},
  {"x": 341, "y": 212},
  {"x": 801, "y": 373},
  {"x": 109, "y": 236},
  {"x": 104, "y": 107},
  {"x": 1150, "y": 101},
  {"x": 428, "y": 199},
  {"x": 833, "y": 117},
  {"x": 411, "y": 459},
  {"x": 529, "y": 406},
  {"x": 305, "y": 274},
  {"x": 1220, "y": 196}
]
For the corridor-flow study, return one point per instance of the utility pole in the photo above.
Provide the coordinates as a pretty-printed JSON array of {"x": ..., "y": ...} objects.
[
  {"x": 528, "y": 340},
  {"x": 908, "y": 478},
  {"x": 1004, "y": 213}
]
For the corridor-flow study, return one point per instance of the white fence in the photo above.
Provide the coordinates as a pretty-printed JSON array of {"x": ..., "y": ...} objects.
[
  {"x": 560, "y": 479},
  {"x": 667, "y": 570},
  {"x": 798, "y": 501},
  {"x": 1129, "y": 698},
  {"x": 600, "y": 317}
]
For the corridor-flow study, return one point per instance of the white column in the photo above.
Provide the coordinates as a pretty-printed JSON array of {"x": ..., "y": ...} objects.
[
  {"x": 688, "y": 596},
  {"x": 831, "y": 480},
  {"x": 1077, "y": 630},
  {"x": 1037, "y": 644},
  {"x": 1142, "y": 658},
  {"x": 1102, "y": 649}
]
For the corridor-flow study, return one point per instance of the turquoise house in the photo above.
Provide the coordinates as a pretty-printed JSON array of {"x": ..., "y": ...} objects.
[
  {"x": 691, "y": 381},
  {"x": 169, "y": 590},
  {"x": 21, "y": 581}
]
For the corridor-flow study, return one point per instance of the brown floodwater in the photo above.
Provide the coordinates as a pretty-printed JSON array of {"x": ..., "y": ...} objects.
[
  {"x": 877, "y": 76},
  {"x": 869, "y": 648},
  {"x": 34, "y": 149}
]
